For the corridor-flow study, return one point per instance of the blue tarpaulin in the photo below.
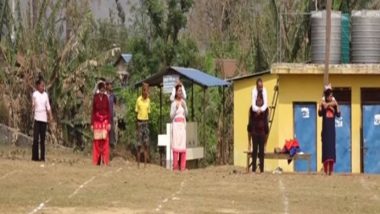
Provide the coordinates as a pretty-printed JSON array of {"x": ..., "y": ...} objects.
[{"x": 198, "y": 77}]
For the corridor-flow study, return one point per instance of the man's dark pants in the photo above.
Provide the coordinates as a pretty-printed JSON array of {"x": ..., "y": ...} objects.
[
  {"x": 39, "y": 140},
  {"x": 258, "y": 141}
]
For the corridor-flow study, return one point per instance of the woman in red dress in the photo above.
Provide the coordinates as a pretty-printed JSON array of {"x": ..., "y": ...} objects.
[{"x": 100, "y": 126}]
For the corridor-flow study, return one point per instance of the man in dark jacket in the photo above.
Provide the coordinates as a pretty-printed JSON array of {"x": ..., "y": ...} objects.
[{"x": 258, "y": 127}]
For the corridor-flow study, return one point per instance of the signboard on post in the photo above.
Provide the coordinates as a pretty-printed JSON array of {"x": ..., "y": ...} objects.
[{"x": 169, "y": 82}]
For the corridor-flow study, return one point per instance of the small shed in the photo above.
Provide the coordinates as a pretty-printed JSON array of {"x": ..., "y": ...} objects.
[
  {"x": 193, "y": 75},
  {"x": 121, "y": 65}
]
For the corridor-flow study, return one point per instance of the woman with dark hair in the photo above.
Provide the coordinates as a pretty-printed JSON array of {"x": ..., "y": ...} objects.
[
  {"x": 100, "y": 126},
  {"x": 328, "y": 110},
  {"x": 178, "y": 113}
]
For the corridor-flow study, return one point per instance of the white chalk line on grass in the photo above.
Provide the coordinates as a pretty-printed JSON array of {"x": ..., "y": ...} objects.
[
  {"x": 285, "y": 199},
  {"x": 43, "y": 204},
  {"x": 40, "y": 207},
  {"x": 90, "y": 180},
  {"x": 107, "y": 173},
  {"x": 8, "y": 174},
  {"x": 173, "y": 196},
  {"x": 110, "y": 172},
  {"x": 81, "y": 186},
  {"x": 365, "y": 186}
]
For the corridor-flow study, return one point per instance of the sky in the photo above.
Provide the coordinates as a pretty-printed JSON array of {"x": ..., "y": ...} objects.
[{"x": 100, "y": 8}]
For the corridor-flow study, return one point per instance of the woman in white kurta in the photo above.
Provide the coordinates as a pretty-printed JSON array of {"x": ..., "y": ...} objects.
[{"x": 178, "y": 112}]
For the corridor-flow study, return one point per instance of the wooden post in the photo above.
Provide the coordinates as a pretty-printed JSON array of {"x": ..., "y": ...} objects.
[
  {"x": 160, "y": 148},
  {"x": 327, "y": 47}
]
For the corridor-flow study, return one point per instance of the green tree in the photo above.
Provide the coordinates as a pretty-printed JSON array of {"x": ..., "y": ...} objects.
[{"x": 157, "y": 42}]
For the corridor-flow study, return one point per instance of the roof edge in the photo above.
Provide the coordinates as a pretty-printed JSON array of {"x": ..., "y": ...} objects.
[
  {"x": 344, "y": 69},
  {"x": 261, "y": 73}
]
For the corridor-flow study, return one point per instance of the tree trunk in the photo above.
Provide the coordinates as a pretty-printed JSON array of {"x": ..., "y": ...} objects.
[{"x": 34, "y": 12}]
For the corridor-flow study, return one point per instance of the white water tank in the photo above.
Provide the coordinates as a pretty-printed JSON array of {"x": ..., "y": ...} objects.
[
  {"x": 318, "y": 37},
  {"x": 365, "y": 36}
]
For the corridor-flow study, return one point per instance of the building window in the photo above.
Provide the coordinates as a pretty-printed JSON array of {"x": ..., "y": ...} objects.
[{"x": 370, "y": 95}]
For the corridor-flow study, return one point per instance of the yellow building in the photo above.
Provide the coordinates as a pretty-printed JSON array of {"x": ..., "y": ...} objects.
[{"x": 356, "y": 88}]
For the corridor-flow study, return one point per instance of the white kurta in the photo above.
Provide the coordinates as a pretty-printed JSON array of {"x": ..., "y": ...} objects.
[{"x": 178, "y": 116}]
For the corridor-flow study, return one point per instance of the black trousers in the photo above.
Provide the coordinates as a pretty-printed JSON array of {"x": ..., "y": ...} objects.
[
  {"x": 258, "y": 141},
  {"x": 39, "y": 134}
]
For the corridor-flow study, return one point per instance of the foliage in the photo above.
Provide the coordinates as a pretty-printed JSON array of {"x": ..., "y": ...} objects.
[
  {"x": 156, "y": 42},
  {"x": 69, "y": 61}
]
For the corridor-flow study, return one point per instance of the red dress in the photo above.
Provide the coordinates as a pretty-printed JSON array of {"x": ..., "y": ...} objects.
[{"x": 99, "y": 120}]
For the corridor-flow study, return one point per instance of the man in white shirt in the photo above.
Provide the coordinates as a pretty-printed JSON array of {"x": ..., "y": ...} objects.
[
  {"x": 172, "y": 95},
  {"x": 42, "y": 112},
  {"x": 259, "y": 90}
]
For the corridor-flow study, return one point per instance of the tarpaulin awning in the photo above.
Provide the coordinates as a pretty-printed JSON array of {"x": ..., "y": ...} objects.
[{"x": 200, "y": 78}]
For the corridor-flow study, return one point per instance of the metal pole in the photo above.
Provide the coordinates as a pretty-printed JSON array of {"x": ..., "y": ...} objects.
[
  {"x": 279, "y": 26},
  {"x": 327, "y": 47},
  {"x": 316, "y": 5},
  {"x": 204, "y": 118},
  {"x": 223, "y": 132},
  {"x": 161, "y": 110},
  {"x": 192, "y": 101},
  {"x": 278, "y": 37}
]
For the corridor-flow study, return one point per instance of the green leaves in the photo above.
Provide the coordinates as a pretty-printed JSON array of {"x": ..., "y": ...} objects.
[
  {"x": 336, "y": 4},
  {"x": 155, "y": 10},
  {"x": 167, "y": 19}
]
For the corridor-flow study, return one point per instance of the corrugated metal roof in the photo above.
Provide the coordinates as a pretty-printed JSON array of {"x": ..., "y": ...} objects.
[
  {"x": 200, "y": 77},
  {"x": 195, "y": 75},
  {"x": 126, "y": 57}
]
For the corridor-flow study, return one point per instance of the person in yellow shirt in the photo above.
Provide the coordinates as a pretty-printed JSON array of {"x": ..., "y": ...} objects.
[{"x": 143, "y": 109}]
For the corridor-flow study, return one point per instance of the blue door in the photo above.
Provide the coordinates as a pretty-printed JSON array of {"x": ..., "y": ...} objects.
[
  {"x": 305, "y": 128},
  {"x": 343, "y": 140},
  {"x": 371, "y": 138}
]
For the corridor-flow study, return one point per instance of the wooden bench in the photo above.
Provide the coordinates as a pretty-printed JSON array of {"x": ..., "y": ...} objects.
[{"x": 280, "y": 156}]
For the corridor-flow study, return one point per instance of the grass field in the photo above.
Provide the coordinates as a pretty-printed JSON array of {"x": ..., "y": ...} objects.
[{"x": 68, "y": 183}]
